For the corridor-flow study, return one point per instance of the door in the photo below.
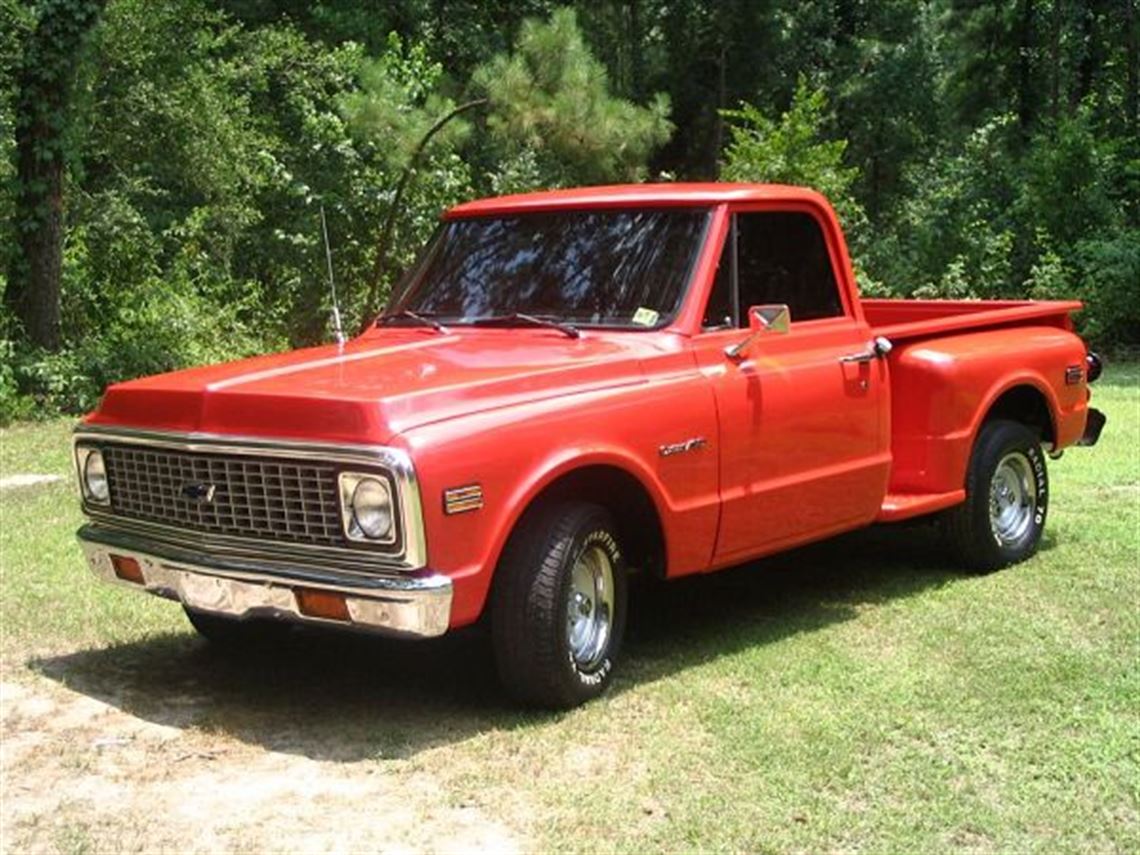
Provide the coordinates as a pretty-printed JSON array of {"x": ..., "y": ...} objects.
[{"x": 802, "y": 415}]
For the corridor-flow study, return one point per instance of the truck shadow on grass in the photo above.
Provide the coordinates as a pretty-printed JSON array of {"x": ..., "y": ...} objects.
[{"x": 344, "y": 698}]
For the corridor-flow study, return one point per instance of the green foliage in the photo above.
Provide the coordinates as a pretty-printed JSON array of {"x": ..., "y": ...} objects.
[
  {"x": 551, "y": 98},
  {"x": 398, "y": 102},
  {"x": 167, "y": 323},
  {"x": 14, "y": 404},
  {"x": 971, "y": 150},
  {"x": 1107, "y": 278},
  {"x": 1050, "y": 224},
  {"x": 16, "y": 23},
  {"x": 52, "y": 33},
  {"x": 792, "y": 150},
  {"x": 408, "y": 128}
]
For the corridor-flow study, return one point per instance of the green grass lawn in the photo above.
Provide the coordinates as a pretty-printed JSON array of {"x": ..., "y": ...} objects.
[{"x": 859, "y": 695}]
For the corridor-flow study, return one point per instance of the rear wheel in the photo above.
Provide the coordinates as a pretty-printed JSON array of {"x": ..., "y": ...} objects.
[
  {"x": 558, "y": 614},
  {"x": 1007, "y": 497}
]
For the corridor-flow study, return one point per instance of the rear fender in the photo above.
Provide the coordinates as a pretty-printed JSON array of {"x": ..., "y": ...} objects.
[{"x": 943, "y": 390}]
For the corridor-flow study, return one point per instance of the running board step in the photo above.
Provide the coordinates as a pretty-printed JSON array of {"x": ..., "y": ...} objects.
[{"x": 902, "y": 506}]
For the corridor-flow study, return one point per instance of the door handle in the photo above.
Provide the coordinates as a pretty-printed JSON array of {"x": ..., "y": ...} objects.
[{"x": 880, "y": 347}]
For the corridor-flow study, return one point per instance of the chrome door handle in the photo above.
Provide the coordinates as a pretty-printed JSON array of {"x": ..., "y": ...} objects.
[{"x": 880, "y": 347}]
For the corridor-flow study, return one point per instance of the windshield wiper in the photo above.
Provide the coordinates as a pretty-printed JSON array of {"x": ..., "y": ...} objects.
[
  {"x": 534, "y": 321},
  {"x": 408, "y": 314}
]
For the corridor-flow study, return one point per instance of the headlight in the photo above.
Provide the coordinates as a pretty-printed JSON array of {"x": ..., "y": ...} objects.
[
  {"x": 366, "y": 507},
  {"x": 94, "y": 476}
]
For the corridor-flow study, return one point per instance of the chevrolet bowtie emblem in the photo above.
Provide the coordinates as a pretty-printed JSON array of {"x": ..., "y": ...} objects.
[{"x": 203, "y": 493}]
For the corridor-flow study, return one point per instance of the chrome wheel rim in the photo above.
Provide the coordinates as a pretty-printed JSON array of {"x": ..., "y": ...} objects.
[
  {"x": 590, "y": 607},
  {"x": 1013, "y": 498}
]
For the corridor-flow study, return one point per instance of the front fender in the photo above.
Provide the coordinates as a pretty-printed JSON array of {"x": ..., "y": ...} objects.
[{"x": 514, "y": 456}]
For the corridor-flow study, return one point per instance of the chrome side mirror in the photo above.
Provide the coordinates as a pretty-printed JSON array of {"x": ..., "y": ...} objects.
[{"x": 772, "y": 318}]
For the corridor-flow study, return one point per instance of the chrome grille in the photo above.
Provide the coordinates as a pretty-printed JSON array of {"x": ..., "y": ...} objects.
[{"x": 258, "y": 497}]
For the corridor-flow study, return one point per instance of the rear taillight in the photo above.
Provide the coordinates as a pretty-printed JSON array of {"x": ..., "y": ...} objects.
[{"x": 1095, "y": 367}]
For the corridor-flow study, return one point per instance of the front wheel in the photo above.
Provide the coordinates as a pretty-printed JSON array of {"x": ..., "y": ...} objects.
[
  {"x": 1007, "y": 497},
  {"x": 559, "y": 607}
]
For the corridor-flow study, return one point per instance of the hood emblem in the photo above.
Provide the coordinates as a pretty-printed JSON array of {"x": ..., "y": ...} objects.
[{"x": 199, "y": 492}]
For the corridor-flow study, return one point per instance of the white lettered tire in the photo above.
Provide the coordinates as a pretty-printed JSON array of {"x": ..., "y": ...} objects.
[
  {"x": 559, "y": 607},
  {"x": 1007, "y": 499}
]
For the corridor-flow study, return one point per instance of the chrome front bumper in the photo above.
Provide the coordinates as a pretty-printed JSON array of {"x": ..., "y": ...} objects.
[{"x": 410, "y": 606}]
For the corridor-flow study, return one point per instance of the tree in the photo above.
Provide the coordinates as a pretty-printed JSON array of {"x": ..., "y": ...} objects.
[
  {"x": 547, "y": 104},
  {"x": 551, "y": 96},
  {"x": 44, "y": 82},
  {"x": 792, "y": 150},
  {"x": 996, "y": 146},
  {"x": 399, "y": 110}
]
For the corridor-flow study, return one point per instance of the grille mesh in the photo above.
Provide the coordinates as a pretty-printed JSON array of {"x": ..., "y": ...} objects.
[{"x": 265, "y": 498}]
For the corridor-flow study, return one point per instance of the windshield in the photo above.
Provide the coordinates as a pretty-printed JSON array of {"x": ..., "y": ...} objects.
[{"x": 620, "y": 268}]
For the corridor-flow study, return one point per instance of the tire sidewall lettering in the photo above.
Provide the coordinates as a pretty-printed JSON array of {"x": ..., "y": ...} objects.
[
  {"x": 596, "y": 537},
  {"x": 1040, "y": 476},
  {"x": 1036, "y": 458},
  {"x": 601, "y": 537}
]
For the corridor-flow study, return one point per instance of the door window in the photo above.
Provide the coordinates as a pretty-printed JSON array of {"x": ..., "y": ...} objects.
[{"x": 781, "y": 257}]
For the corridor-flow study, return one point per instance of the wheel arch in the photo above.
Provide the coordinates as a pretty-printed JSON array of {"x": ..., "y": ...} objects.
[
  {"x": 614, "y": 484},
  {"x": 1026, "y": 400}
]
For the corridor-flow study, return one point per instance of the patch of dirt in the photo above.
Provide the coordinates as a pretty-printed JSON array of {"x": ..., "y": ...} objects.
[
  {"x": 13, "y": 482},
  {"x": 81, "y": 775}
]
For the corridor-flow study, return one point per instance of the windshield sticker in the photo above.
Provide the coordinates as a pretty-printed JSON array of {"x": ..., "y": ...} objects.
[{"x": 644, "y": 317}]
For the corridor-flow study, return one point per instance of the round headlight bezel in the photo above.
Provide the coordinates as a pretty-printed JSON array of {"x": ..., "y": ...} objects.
[
  {"x": 372, "y": 508},
  {"x": 96, "y": 487},
  {"x": 368, "y": 508}
]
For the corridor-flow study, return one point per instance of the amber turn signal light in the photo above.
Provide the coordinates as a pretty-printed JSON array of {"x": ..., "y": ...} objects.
[
  {"x": 322, "y": 604},
  {"x": 128, "y": 569}
]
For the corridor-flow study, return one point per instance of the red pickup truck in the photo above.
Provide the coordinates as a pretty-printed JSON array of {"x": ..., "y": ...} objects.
[{"x": 569, "y": 387}]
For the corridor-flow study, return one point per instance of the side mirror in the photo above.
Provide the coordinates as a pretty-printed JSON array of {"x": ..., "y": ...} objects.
[{"x": 773, "y": 318}]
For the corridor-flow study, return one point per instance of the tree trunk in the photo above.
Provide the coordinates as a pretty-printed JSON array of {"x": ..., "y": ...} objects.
[
  {"x": 34, "y": 278},
  {"x": 1025, "y": 70},
  {"x": 1055, "y": 63},
  {"x": 717, "y": 140},
  {"x": 1090, "y": 57},
  {"x": 1132, "y": 65},
  {"x": 637, "y": 60},
  {"x": 44, "y": 81}
]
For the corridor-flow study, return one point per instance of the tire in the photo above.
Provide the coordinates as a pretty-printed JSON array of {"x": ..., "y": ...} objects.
[
  {"x": 555, "y": 644},
  {"x": 225, "y": 631},
  {"x": 1007, "y": 499}
]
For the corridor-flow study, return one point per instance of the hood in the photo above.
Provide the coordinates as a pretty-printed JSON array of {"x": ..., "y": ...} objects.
[{"x": 380, "y": 384}]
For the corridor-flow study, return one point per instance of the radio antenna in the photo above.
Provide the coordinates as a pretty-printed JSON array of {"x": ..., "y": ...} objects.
[{"x": 338, "y": 328}]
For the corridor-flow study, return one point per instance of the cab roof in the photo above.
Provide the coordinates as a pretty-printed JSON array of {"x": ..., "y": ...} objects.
[{"x": 635, "y": 196}]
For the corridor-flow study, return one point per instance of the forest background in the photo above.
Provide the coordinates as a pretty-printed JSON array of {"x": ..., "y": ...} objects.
[{"x": 163, "y": 164}]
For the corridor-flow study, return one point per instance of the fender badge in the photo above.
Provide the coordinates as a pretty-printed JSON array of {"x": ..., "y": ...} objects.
[
  {"x": 458, "y": 500},
  {"x": 694, "y": 444}
]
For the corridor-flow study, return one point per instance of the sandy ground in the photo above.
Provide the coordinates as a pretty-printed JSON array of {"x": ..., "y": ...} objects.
[
  {"x": 15, "y": 482},
  {"x": 82, "y": 775}
]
